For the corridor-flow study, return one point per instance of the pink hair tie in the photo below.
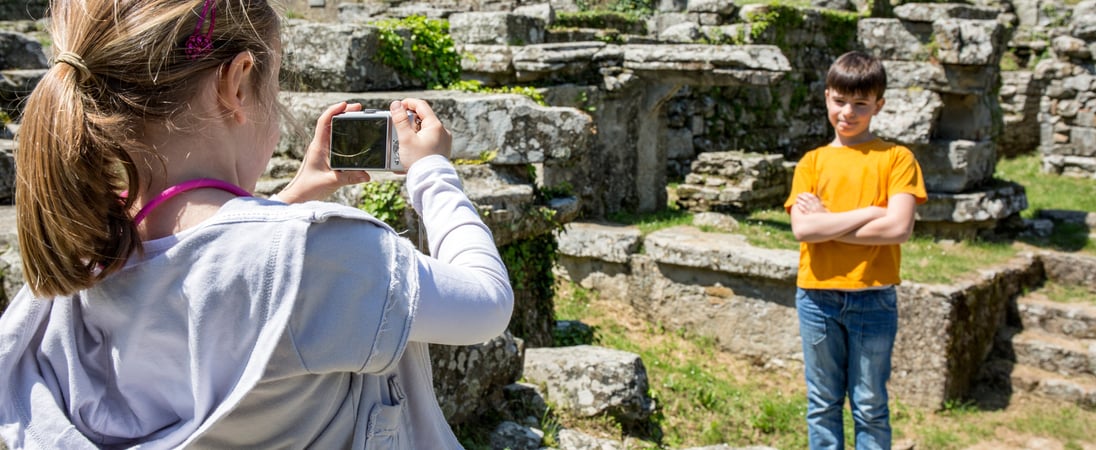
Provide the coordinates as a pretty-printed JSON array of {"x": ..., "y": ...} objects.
[{"x": 198, "y": 45}]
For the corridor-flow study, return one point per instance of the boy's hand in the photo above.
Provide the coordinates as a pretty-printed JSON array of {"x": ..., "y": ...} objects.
[
  {"x": 808, "y": 203},
  {"x": 315, "y": 180}
]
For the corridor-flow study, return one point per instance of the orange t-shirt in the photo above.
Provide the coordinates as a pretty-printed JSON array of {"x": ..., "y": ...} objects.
[{"x": 847, "y": 178}]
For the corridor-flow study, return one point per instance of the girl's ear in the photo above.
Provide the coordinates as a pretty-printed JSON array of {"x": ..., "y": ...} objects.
[{"x": 235, "y": 85}]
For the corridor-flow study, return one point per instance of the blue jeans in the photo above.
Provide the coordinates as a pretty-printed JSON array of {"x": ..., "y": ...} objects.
[{"x": 847, "y": 342}]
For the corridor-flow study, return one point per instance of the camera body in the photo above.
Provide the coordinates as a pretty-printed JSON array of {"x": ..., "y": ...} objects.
[{"x": 365, "y": 140}]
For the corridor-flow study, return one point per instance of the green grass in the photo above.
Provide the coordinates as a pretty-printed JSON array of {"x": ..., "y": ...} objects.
[
  {"x": 651, "y": 222},
  {"x": 706, "y": 397},
  {"x": 1047, "y": 191},
  {"x": 1067, "y": 293},
  {"x": 925, "y": 260}
]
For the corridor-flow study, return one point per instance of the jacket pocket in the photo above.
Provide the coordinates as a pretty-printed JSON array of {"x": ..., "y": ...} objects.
[{"x": 387, "y": 421}]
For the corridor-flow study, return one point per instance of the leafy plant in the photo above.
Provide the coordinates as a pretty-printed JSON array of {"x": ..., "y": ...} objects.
[
  {"x": 476, "y": 86},
  {"x": 384, "y": 201},
  {"x": 433, "y": 58}
]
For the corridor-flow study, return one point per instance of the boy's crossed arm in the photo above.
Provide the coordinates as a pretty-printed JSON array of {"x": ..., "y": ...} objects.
[{"x": 872, "y": 225}]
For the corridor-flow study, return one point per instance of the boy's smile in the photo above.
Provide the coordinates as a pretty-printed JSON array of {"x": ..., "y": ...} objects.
[{"x": 850, "y": 115}]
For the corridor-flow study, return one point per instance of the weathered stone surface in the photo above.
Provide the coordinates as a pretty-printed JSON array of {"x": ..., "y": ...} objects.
[
  {"x": 909, "y": 116},
  {"x": 591, "y": 381},
  {"x": 721, "y": 7},
  {"x": 469, "y": 380},
  {"x": 996, "y": 202},
  {"x": 335, "y": 58},
  {"x": 516, "y": 437},
  {"x": 956, "y": 166},
  {"x": 945, "y": 332},
  {"x": 941, "y": 78},
  {"x": 577, "y": 440},
  {"x": 690, "y": 247},
  {"x": 931, "y": 12},
  {"x": 1070, "y": 357},
  {"x": 492, "y": 65},
  {"x": 708, "y": 65},
  {"x": 734, "y": 182},
  {"x": 1083, "y": 20},
  {"x": 684, "y": 33},
  {"x": 11, "y": 266},
  {"x": 893, "y": 39},
  {"x": 517, "y": 128},
  {"x": 1072, "y": 320},
  {"x": 19, "y": 51},
  {"x": 968, "y": 41},
  {"x": 1070, "y": 47},
  {"x": 16, "y": 86},
  {"x": 1019, "y": 96},
  {"x": 496, "y": 28},
  {"x": 721, "y": 222},
  {"x": 611, "y": 243},
  {"x": 564, "y": 62},
  {"x": 1073, "y": 269}
]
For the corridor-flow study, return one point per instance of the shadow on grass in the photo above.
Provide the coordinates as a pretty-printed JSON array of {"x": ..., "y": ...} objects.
[{"x": 1066, "y": 237}]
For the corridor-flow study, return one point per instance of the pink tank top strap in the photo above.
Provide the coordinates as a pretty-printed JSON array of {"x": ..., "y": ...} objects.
[{"x": 185, "y": 186}]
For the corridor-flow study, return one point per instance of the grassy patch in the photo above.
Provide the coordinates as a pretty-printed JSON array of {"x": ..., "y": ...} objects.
[
  {"x": 768, "y": 228},
  {"x": 1047, "y": 191},
  {"x": 651, "y": 222},
  {"x": 925, "y": 260},
  {"x": 1067, "y": 293},
  {"x": 708, "y": 397}
]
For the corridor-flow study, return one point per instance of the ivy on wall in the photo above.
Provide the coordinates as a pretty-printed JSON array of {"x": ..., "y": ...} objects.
[
  {"x": 529, "y": 263},
  {"x": 433, "y": 58}
]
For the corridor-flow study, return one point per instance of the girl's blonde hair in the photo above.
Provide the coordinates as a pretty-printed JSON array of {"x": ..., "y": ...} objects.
[{"x": 120, "y": 64}]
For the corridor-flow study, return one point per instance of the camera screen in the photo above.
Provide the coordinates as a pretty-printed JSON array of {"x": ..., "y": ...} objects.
[{"x": 359, "y": 143}]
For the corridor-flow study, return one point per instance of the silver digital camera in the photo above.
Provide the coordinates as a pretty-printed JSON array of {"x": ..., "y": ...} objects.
[{"x": 365, "y": 140}]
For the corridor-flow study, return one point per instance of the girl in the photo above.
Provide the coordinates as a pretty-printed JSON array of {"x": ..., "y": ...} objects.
[{"x": 166, "y": 307}]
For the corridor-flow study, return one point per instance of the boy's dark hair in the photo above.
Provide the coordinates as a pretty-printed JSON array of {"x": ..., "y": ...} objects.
[{"x": 857, "y": 73}]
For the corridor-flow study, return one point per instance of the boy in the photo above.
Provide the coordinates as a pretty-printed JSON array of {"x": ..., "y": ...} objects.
[{"x": 852, "y": 203}]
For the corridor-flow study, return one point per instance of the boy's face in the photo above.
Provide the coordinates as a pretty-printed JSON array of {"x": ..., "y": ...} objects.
[{"x": 850, "y": 115}]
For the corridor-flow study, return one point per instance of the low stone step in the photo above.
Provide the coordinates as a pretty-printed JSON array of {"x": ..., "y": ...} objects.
[
  {"x": 1076, "y": 320},
  {"x": 1078, "y": 390},
  {"x": 1055, "y": 353}
]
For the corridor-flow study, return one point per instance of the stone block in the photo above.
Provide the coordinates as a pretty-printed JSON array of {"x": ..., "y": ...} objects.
[
  {"x": 558, "y": 63},
  {"x": 727, "y": 253},
  {"x": 708, "y": 65},
  {"x": 956, "y": 166},
  {"x": 492, "y": 65},
  {"x": 16, "y": 86},
  {"x": 942, "y": 78},
  {"x": 945, "y": 332},
  {"x": 612, "y": 243},
  {"x": 335, "y": 58},
  {"x": 968, "y": 42},
  {"x": 734, "y": 182},
  {"x": 1083, "y": 20},
  {"x": 592, "y": 381},
  {"x": 931, "y": 12},
  {"x": 996, "y": 201},
  {"x": 521, "y": 131},
  {"x": 19, "y": 51},
  {"x": 469, "y": 380},
  {"x": 909, "y": 116},
  {"x": 971, "y": 117},
  {"x": 893, "y": 39},
  {"x": 496, "y": 28}
]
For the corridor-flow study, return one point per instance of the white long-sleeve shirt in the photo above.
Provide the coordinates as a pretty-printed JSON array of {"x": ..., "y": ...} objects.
[{"x": 266, "y": 326}]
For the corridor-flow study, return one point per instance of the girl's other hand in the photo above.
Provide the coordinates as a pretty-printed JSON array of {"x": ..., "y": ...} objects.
[
  {"x": 417, "y": 142},
  {"x": 315, "y": 180}
]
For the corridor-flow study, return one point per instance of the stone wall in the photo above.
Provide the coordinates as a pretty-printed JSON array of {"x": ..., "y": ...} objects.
[
  {"x": 1067, "y": 116},
  {"x": 716, "y": 285}
]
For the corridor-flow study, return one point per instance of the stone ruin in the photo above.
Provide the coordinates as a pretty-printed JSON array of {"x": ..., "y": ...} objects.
[{"x": 715, "y": 101}]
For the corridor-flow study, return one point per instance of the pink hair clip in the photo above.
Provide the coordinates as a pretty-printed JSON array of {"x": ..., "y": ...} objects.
[{"x": 198, "y": 45}]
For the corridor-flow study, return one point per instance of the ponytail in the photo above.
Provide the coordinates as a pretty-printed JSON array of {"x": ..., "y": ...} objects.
[
  {"x": 74, "y": 228},
  {"x": 122, "y": 66}
]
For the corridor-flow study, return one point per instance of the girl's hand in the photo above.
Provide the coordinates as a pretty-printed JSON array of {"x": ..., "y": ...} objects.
[
  {"x": 417, "y": 142},
  {"x": 315, "y": 180}
]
